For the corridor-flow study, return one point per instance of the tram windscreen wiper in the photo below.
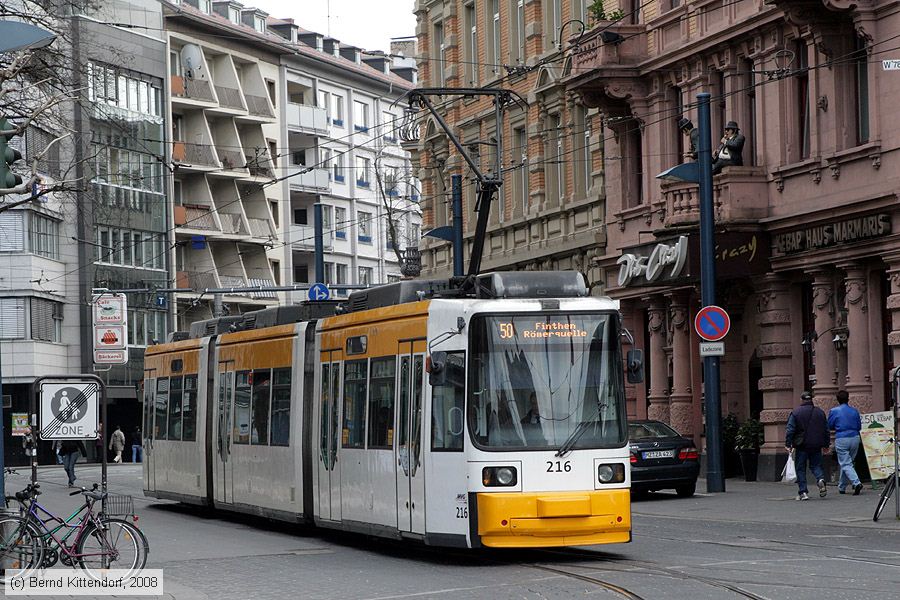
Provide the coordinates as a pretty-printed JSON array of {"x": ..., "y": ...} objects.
[{"x": 578, "y": 432}]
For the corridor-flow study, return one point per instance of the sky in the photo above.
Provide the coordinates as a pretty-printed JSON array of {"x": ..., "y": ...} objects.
[{"x": 368, "y": 24}]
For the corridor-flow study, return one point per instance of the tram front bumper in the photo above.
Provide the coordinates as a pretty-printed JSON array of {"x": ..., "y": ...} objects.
[{"x": 511, "y": 520}]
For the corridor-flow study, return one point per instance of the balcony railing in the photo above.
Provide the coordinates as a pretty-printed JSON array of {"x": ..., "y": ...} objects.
[
  {"x": 231, "y": 159},
  {"x": 197, "y": 280},
  {"x": 258, "y": 106},
  {"x": 310, "y": 118},
  {"x": 194, "y": 89},
  {"x": 232, "y": 224},
  {"x": 739, "y": 194},
  {"x": 316, "y": 179},
  {"x": 194, "y": 154},
  {"x": 229, "y": 97},
  {"x": 260, "y": 228},
  {"x": 199, "y": 217},
  {"x": 303, "y": 237},
  {"x": 262, "y": 283}
]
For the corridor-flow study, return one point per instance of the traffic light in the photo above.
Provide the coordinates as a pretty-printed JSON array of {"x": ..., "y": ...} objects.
[{"x": 8, "y": 156}]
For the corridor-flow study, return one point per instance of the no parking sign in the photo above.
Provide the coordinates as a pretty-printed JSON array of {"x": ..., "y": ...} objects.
[{"x": 712, "y": 323}]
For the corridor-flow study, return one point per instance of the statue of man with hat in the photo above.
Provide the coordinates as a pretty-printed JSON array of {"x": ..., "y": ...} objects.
[{"x": 730, "y": 148}]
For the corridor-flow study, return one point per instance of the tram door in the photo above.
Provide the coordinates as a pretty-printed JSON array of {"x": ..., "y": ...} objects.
[
  {"x": 410, "y": 434},
  {"x": 147, "y": 428},
  {"x": 224, "y": 484},
  {"x": 329, "y": 432}
]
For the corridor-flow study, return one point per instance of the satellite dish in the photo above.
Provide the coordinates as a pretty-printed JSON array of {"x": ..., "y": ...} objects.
[{"x": 192, "y": 62}]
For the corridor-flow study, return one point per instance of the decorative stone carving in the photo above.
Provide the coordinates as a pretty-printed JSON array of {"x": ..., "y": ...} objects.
[
  {"x": 816, "y": 175},
  {"x": 821, "y": 296},
  {"x": 776, "y": 383},
  {"x": 775, "y": 415},
  {"x": 779, "y": 184},
  {"x": 856, "y": 293},
  {"x": 876, "y": 160},
  {"x": 835, "y": 170},
  {"x": 774, "y": 350}
]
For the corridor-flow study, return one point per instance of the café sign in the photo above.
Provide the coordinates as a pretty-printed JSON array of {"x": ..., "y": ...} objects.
[
  {"x": 833, "y": 234},
  {"x": 650, "y": 268}
]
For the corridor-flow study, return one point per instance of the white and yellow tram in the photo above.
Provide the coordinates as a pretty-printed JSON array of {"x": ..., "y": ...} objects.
[{"x": 415, "y": 412}]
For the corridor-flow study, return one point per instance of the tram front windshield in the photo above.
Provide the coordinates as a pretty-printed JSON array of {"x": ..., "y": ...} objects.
[{"x": 546, "y": 381}]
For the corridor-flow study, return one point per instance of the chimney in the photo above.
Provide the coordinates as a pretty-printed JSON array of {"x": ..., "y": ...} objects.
[{"x": 351, "y": 53}]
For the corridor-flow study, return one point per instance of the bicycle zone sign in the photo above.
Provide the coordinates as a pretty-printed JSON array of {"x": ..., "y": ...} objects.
[{"x": 69, "y": 410}]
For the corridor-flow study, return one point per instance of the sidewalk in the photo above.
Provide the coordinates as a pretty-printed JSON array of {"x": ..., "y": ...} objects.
[{"x": 767, "y": 502}]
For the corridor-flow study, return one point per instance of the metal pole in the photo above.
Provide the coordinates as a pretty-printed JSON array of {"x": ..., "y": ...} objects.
[
  {"x": 104, "y": 427},
  {"x": 32, "y": 418},
  {"x": 319, "y": 243},
  {"x": 896, "y": 394},
  {"x": 715, "y": 480},
  {"x": 2, "y": 433},
  {"x": 217, "y": 305},
  {"x": 456, "y": 193}
]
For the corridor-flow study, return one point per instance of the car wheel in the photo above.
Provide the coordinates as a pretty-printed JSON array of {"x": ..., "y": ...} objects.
[{"x": 687, "y": 490}]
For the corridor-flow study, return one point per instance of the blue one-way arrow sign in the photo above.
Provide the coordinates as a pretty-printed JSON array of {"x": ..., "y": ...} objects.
[{"x": 318, "y": 292}]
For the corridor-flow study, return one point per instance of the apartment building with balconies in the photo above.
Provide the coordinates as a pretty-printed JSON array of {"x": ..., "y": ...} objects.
[
  {"x": 550, "y": 210},
  {"x": 228, "y": 154},
  {"x": 806, "y": 243},
  {"x": 343, "y": 152}
]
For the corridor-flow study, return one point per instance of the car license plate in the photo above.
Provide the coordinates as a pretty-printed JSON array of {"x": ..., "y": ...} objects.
[{"x": 659, "y": 454}]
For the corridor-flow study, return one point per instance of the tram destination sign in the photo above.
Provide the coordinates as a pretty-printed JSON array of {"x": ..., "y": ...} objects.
[
  {"x": 837, "y": 233},
  {"x": 526, "y": 330}
]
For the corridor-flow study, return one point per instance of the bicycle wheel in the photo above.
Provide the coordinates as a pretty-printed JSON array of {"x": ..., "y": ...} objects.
[
  {"x": 116, "y": 544},
  {"x": 885, "y": 495},
  {"x": 21, "y": 546}
]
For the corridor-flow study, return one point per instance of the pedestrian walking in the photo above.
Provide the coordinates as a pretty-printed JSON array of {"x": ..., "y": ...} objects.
[
  {"x": 137, "y": 446},
  {"x": 69, "y": 450},
  {"x": 806, "y": 437},
  {"x": 845, "y": 422},
  {"x": 117, "y": 443},
  {"x": 29, "y": 444},
  {"x": 56, "y": 446}
]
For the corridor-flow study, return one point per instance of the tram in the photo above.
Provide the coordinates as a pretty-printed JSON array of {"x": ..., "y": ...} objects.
[{"x": 413, "y": 410}]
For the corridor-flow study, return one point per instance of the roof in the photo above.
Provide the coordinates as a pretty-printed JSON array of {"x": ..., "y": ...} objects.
[{"x": 275, "y": 43}]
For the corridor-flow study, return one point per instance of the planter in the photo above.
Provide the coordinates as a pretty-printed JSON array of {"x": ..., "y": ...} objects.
[{"x": 750, "y": 463}]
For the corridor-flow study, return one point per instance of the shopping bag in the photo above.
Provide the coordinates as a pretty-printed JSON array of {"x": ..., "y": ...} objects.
[{"x": 789, "y": 474}]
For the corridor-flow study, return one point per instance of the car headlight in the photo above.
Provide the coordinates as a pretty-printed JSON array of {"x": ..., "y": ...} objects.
[
  {"x": 611, "y": 473},
  {"x": 499, "y": 476}
]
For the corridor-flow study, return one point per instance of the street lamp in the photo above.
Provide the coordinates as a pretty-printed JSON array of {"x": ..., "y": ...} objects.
[
  {"x": 700, "y": 172},
  {"x": 23, "y": 36}
]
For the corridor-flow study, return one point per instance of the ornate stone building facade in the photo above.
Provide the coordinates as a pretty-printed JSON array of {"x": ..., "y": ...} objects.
[
  {"x": 807, "y": 251},
  {"x": 551, "y": 206}
]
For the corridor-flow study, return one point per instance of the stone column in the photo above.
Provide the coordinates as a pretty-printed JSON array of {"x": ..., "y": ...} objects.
[
  {"x": 681, "y": 410},
  {"x": 859, "y": 380},
  {"x": 776, "y": 384},
  {"x": 893, "y": 305},
  {"x": 823, "y": 310},
  {"x": 659, "y": 375}
]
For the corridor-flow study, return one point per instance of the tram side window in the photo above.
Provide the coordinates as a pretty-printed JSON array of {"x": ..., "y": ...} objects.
[
  {"x": 149, "y": 387},
  {"x": 448, "y": 406},
  {"x": 189, "y": 409},
  {"x": 281, "y": 407},
  {"x": 323, "y": 417},
  {"x": 175, "y": 387},
  {"x": 241, "y": 431},
  {"x": 354, "y": 434},
  {"x": 381, "y": 403},
  {"x": 262, "y": 396},
  {"x": 161, "y": 404}
]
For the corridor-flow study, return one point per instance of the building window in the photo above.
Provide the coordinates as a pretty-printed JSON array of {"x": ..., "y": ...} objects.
[
  {"x": 340, "y": 274},
  {"x": 749, "y": 116},
  {"x": 325, "y": 159},
  {"x": 12, "y": 226},
  {"x": 364, "y": 225},
  {"x": 301, "y": 274},
  {"x": 276, "y": 271},
  {"x": 520, "y": 154},
  {"x": 234, "y": 15},
  {"x": 340, "y": 223},
  {"x": 471, "y": 47},
  {"x": 204, "y": 6},
  {"x": 389, "y": 127},
  {"x": 801, "y": 81},
  {"x": 323, "y": 97},
  {"x": 130, "y": 248},
  {"x": 365, "y": 275},
  {"x": 861, "y": 89},
  {"x": 360, "y": 116},
  {"x": 46, "y": 320},
  {"x": 517, "y": 35},
  {"x": 440, "y": 50},
  {"x": 362, "y": 171},
  {"x": 634, "y": 151},
  {"x": 12, "y": 318},
  {"x": 338, "y": 167},
  {"x": 338, "y": 118},
  {"x": 677, "y": 143},
  {"x": 259, "y": 24},
  {"x": 634, "y": 11},
  {"x": 559, "y": 136},
  {"x": 495, "y": 35},
  {"x": 555, "y": 24}
]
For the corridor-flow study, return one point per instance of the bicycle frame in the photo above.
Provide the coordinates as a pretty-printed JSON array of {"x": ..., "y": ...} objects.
[{"x": 60, "y": 542}]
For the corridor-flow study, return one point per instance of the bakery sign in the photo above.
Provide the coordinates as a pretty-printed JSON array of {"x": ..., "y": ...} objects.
[
  {"x": 833, "y": 234},
  {"x": 666, "y": 258}
]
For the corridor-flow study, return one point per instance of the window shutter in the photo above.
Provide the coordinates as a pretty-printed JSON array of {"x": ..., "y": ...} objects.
[
  {"x": 12, "y": 318},
  {"x": 12, "y": 232},
  {"x": 42, "y": 320}
]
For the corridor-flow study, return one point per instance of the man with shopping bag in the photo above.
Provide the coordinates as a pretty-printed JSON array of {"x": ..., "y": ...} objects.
[{"x": 805, "y": 438}]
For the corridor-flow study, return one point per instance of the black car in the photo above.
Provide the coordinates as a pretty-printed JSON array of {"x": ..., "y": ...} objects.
[{"x": 662, "y": 459}]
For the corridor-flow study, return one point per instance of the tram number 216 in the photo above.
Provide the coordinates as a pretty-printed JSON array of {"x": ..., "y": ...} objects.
[{"x": 559, "y": 466}]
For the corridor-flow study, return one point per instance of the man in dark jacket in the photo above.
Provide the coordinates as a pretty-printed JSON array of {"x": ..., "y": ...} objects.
[
  {"x": 69, "y": 450},
  {"x": 806, "y": 437}
]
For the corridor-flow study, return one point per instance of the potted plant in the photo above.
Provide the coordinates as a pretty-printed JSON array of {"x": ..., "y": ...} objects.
[
  {"x": 731, "y": 460},
  {"x": 598, "y": 13},
  {"x": 750, "y": 436}
]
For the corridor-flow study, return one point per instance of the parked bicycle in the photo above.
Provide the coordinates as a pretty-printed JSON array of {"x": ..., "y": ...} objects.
[
  {"x": 886, "y": 492},
  {"x": 87, "y": 539}
]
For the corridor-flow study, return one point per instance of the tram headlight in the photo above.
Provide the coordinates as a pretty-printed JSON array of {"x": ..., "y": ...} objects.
[
  {"x": 611, "y": 473},
  {"x": 499, "y": 476}
]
